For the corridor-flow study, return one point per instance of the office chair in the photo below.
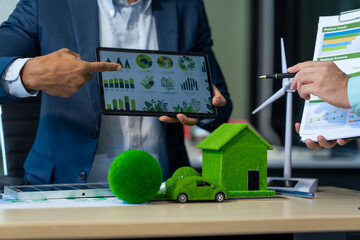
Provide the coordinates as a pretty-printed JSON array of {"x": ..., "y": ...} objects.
[{"x": 20, "y": 121}]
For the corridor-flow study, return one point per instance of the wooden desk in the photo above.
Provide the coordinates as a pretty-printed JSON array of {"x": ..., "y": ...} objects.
[{"x": 333, "y": 209}]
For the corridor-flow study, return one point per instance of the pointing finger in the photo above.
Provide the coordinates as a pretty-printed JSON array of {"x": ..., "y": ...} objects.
[{"x": 102, "y": 66}]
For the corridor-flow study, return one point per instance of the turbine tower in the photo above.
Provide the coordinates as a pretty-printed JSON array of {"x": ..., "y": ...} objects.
[{"x": 288, "y": 185}]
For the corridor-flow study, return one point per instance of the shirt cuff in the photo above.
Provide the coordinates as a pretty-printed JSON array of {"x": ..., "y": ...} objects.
[
  {"x": 353, "y": 88},
  {"x": 11, "y": 80}
]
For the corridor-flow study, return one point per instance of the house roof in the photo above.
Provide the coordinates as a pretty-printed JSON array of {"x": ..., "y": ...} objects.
[{"x": 225, "y": 133}]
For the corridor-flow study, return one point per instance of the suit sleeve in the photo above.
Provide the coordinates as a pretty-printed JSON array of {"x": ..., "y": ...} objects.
[
  {"x": 18, "y": 38},
  {"x": 204, "y": 44}
]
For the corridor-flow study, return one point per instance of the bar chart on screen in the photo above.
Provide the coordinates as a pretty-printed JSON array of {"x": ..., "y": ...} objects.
[
  {"x": 122, "y": 104},
  {"x": 190, "y": 84},
  {"x": 119, "y": 83}
]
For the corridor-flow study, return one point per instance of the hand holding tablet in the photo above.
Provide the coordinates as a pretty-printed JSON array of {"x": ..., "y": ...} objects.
[
  {"x": 156, "y": 83},
  {"x": 218, "y": 100}
]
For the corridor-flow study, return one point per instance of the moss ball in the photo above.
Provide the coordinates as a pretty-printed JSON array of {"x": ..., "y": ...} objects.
[{"x": 135, "y": 176}]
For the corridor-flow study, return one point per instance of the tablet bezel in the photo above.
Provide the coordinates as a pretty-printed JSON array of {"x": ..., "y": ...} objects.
[{"x": 148, "y": 113}]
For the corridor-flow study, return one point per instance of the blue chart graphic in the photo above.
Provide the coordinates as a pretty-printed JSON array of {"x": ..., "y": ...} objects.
[
  {"x": 340, "y": 42},
  {"x": 321, "y": 114}
]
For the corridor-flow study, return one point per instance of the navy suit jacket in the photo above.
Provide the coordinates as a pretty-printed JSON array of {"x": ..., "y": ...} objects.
[{"x": 67, "y": 134}]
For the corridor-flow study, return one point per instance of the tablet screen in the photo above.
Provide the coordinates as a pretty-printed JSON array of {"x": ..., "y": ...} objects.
[{"x": 156, "y": 83}]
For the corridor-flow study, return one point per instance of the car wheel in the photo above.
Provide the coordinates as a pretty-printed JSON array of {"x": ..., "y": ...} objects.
[
  {"x": 219, "y": 197},
  {"x": 182, "y": 198}
]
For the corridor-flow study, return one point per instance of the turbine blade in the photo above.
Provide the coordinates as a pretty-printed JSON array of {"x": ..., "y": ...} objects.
[
  {"x": 283, "y": 57},
  {"x": 271, "y": 99},
  {"x": 286, "y": 82}
]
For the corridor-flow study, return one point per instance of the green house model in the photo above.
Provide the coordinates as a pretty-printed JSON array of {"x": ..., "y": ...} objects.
[{"x": 235, "y": 156}]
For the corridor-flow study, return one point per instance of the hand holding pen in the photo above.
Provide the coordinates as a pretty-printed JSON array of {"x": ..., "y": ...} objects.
[{"x": 322, "y": 79}]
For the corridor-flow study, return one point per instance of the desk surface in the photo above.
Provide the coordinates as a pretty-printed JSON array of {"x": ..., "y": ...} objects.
[{"x": 333, "y": 209}]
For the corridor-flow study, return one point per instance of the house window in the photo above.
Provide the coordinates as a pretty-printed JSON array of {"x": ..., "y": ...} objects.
[{"x": 253, "y": 180}]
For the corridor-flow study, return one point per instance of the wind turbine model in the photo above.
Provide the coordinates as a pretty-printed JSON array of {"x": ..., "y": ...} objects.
[{"x": 302, "y": 187}]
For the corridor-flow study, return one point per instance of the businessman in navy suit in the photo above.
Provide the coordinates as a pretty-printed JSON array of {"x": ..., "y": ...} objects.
[{"x": 49, "y": 46}]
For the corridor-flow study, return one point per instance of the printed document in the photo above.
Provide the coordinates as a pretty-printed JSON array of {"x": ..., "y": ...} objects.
[{"x": 337, "y": 41}]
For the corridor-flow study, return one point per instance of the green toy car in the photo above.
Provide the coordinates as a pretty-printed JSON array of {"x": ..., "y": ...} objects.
[{"x": 187, "y": 185}]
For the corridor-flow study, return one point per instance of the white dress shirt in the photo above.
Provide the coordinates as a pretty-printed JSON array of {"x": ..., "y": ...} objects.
[{"x": 127, "y": 26}]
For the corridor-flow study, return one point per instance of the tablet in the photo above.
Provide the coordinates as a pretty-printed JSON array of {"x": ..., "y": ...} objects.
[{"x": 156, "y": 83}]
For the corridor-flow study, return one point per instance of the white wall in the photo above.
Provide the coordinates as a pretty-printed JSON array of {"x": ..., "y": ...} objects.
[{"x": 6, "y": 8}]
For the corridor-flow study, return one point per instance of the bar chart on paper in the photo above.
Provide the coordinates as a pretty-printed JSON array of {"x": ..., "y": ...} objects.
[{"x": 341, "y": 42}]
